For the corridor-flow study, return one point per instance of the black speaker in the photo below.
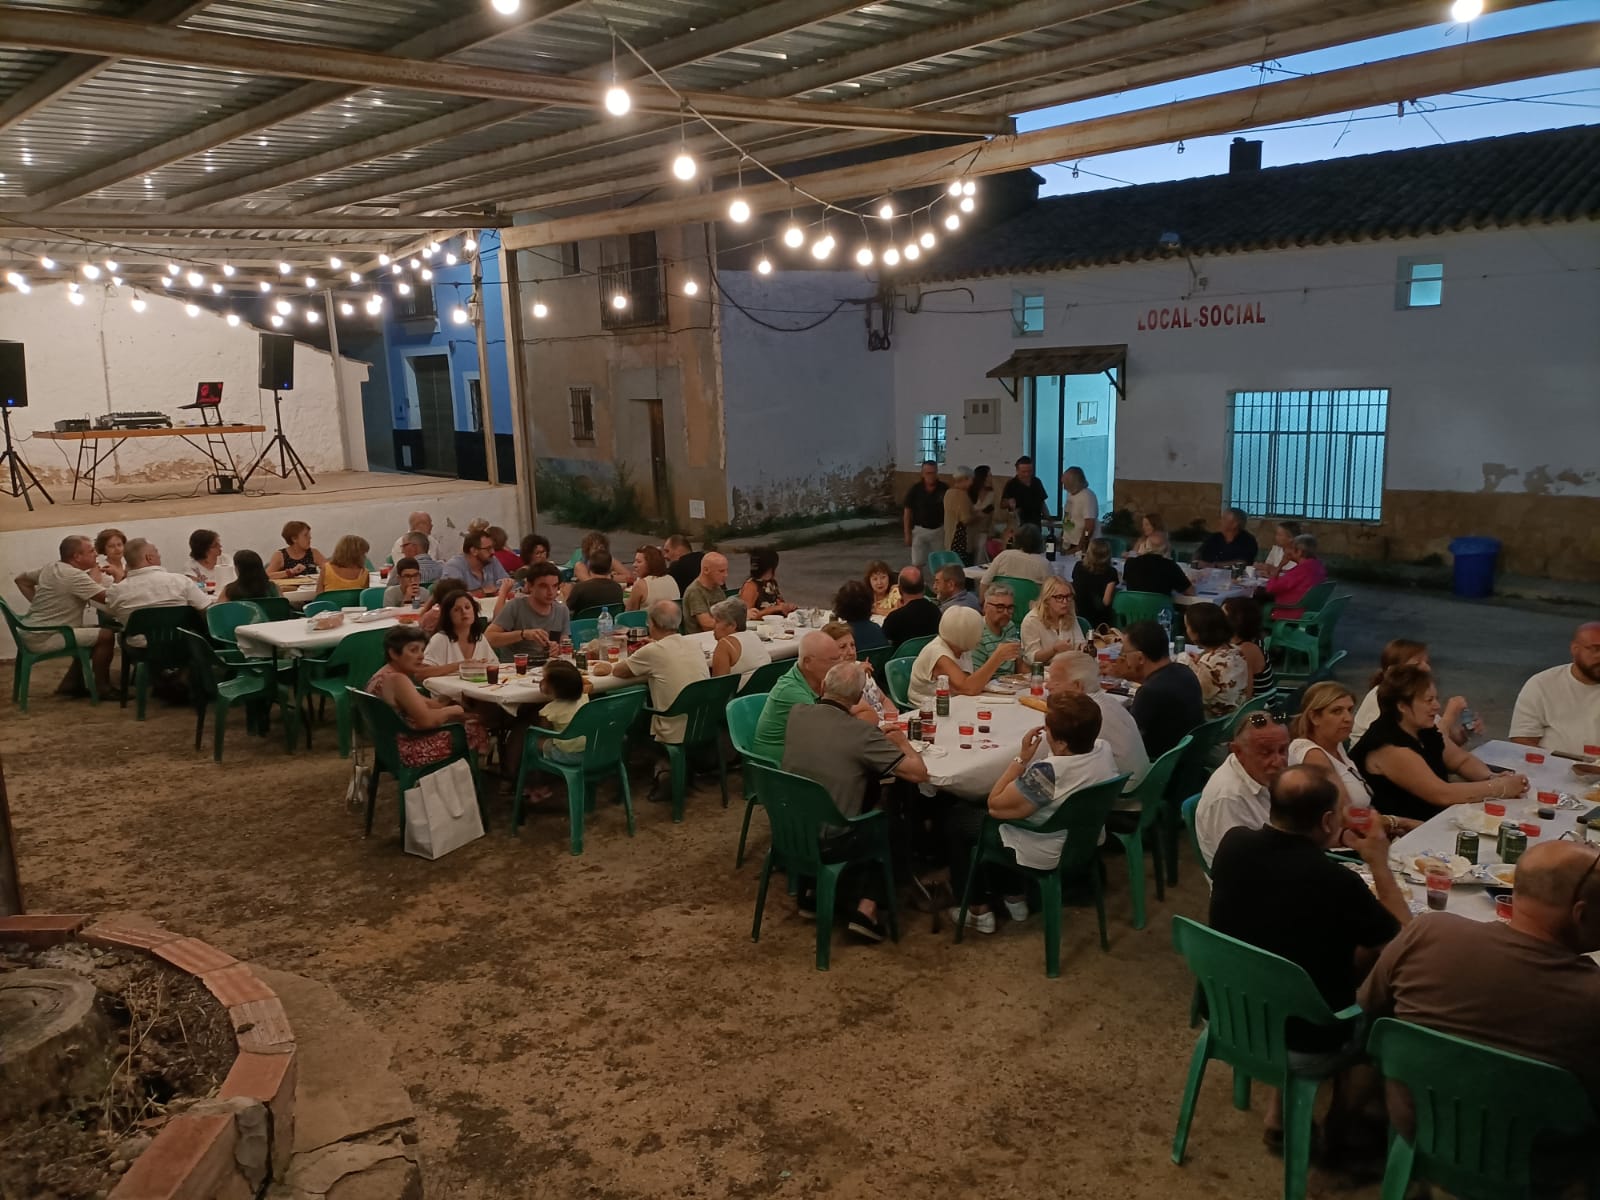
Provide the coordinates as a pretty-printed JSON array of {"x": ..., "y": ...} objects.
[
  {"x": 277, "y": 362},
  {"x": 13, "y": 376}
]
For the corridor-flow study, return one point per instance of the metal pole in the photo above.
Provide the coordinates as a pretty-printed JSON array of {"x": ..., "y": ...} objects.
[
  {"x": 331, "y": 309},
  {"x": 516, "y": 384},
  {"x": 485, "y": 397}
]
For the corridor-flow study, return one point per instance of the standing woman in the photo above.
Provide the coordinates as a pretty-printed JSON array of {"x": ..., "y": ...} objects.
[
  {"x": 981, "y": 493},
  {"x": 297, "y": 556},
  {"x": 651, "y": 580},
  {"x": 959, "y": 515},
  {"x": 761, "y": 594},
  {"x": 108, "y": 544},
  {"x": 1094, "y": 582},
  {"x": 347, "y": 568},
  {"x": 1244, "y": 617},
  {"x": 1051, "y": 626}
]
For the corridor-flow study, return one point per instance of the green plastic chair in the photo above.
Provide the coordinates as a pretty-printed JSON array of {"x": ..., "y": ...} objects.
[
  {"x": 638, "y": 619},
  {"x": 226, "y": 616},
  {"x": 764, "y": 677},
  {"x": 351, "y": 663},
  {"x": 372, "y": 597},
  {"x": 583, "y": 632},
  {"x": 604, "y": 722},
  {"x": 1119, "y": 545},
  {"x": 1082, "y": 816},
  {"x": 384, "y": 728},
  {"x": 943, "y": 558},
  {"x": 1194, "y": 768},
  {"x": 1479, "y": 1112},
  {"x": 318, "y": 606},
  {"x": 1023, "y": 591},
  {"x": 1084, "y": 627},
  {"x": 26, "y": 658},
  {"x": 911, "y": 647},
  {"x": 876, "y": 659},
  {"x": 1305, "y": 646},
  {"x": 344, "y": 598},
  {"x": 274, "y": 608},
  {"x": 1139, "y": 606},
  {"x": 1130, "y": 828},
  {"x": 798, "y": 810},
  {"x": 1251, "y": 996},
  {"x": 592, "y": 613},
  {"x": 704, "y": 703},
  {"x": 162, "y": 649},
  {"x": 1188, "y": 809},
  {"x": 744, "y": 711},
  {"x": 897, "y": 679},
  {"x": 218, "y": 683},
  {"x": 1311, "y": 604}
]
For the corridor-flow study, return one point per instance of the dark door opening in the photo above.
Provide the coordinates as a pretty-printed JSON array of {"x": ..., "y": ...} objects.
[{"x": 438, "y": 413}]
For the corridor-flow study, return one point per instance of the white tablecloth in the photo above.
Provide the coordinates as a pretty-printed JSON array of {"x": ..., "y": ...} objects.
[
  {"x": 295, "y": 638},
  {"x": 971, "y": 773},
  {"x": 1212, "y": 585}
]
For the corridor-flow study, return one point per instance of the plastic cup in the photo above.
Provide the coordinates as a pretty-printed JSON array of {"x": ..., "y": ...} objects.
[
  {"x": 1503, "y": 906},
  {"x": 491, "y": 672},
  {"x": 1551, "y": 798},
  {"x": 520, "y": 661},
  {"x": 1534, "y": 757},
  {"x": 984, "y": 714},
  {"x": 1495, "y": 808},
  {"x": 1438, "y": 885},
  {"x": 1531, "y": 828},
  {"x": 1591, "y": 751},
  {"x": 383, "y": 572},
  {"x": 966, "y": 731}
]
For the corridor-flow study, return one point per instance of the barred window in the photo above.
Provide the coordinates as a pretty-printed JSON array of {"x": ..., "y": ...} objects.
[
  {"x": 1312, "y": 454},
  {"x": 582, "y": 403},
  {"x": 931, "y": 437}
]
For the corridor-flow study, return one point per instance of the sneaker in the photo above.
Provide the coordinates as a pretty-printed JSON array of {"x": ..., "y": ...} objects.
[
  {"x": 865, "y": 927},
  {"x": 1017, "y": 910},
  {"x": 982, "y": 922}
]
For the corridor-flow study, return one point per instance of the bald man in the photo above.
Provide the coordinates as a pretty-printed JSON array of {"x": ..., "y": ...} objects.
[
  {"x": 1559, "y": 709},
  {"x": 801, "y": 684},
  {"x": 710, "y": 587},
  {"x": 1522, "y": 985},
  {"x": 417, "y": 522}
]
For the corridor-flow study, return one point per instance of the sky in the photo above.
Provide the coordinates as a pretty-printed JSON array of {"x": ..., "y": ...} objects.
[{"x": 1570, "y": 99}]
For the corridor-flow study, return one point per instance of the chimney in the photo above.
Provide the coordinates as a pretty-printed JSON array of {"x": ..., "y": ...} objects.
[{"x": 1244, "y": 155}]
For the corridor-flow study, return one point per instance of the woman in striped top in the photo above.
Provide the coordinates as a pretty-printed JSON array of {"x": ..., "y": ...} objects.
[{"x": 1244, "y": 614}]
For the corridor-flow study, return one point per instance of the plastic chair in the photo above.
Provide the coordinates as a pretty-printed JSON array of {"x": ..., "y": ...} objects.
[
  {"x": 1311, "y": 603},
  {"x": 1479, "y": 1112},
  {"x": 798, "y": 810},
  {"x": 219, "y": 683},
  {"x": 1251, "y": 996},
  {"x": 384, "y": 728},
  {"x": 1023, "y": 591},
  {"x": 1150, "y": 819},
  {"x": 1084, "y": 627},
  {"x": 592, "y": 613},
  {"x": 344, "y": 598},
  {"x": 225, "y": 616},
  {"x": 1305, "y": 646},
  {"x": 743, "y": 712},
  {"x": 911, "y": 647},
  {"x": 26, "y": 658},
  {"x": 274, "y": 608},
  {"x": 943, "y": 558},
  {"x": 1082, "y": 816},
  {"x": 764, "y": 677},
  {"x": 372, "y": 597},
  {"x": 704, "y": 703},
  {"x": 603, "y": 722},
  {"x": 319, "y": 606},
  {"x": 1188, "y": 809},
  {"x": 583, "y": 632},
  {"x": 161, "y": 650},
  {"x": 897, "y": 680},
  {"x": 1139, "y": 606},
  {"x": 638, "y": 619},
  {"x": 876, "y": 659},
  {"x": 1119, "y": 545},
  {"x": 351, "y": 663},
  {"x": 1194, "y": 768}
]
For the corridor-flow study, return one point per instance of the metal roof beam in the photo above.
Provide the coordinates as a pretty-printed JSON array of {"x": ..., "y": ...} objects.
[
  {"x": 18, "y": 223},
  {"x": 451, "y": 38},
  {"x": 762, "y": 22},
  {"x": 1475, "y": 64}
]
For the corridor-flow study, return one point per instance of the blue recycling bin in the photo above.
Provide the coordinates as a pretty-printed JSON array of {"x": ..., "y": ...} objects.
[{"x": 1475, "y": 559}]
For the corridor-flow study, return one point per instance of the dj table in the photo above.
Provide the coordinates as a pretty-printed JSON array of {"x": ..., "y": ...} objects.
[{"x": 93, "y": 453}]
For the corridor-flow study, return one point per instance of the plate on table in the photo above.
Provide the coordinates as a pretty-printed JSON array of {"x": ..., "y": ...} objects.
[
  {"x": 1461, "y": 871},
  {"x": 1479, "y": 822},
  {"x": 1497, "y": 877}
]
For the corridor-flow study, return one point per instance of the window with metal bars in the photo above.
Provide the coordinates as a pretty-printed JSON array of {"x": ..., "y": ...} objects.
[
  {"x": 581, "y": 400},
  {"x": 931, "y": 429},
  {"x": 1312, "y": 454}
]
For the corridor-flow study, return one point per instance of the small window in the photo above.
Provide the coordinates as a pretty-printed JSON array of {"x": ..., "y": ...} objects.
[
  {"x": 1419, "y": 284},
  {"x": 582, "y": 402},
  {"x": 1027, "y": 314},
  {"x": 931, "y": 437},
  {"x": 1313, "y": 454},
  {"x": 474, "y": 404},
  {"x": 569, "y": 259}
]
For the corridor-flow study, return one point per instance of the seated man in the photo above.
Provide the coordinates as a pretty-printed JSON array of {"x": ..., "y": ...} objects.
[
  {"x": 1275, "y": 887},
  {"x": 1169, "y": 704},
  {"x": 1154, "y": 570},
  {"x": 58, "y": 593},
  {"x": 1238, "y": 794},
  {"x": 825, "y": 742},
  {"x": 1078, "y": 672},
  {"x": 950, "y": 589},
  {"x": 916, "y": 616},
  {"x": 1287, "y": 590},
  {"x": 150, "y": 585},
  {"x": 1463, "y": 977},
  {"x": 407, "y": 589},
  {"x": 708, "y": 588},
  {"x": 1559, "y": 708},
  {"x": 599, "y": 589},
  {"x": 417, "y": 545},
  {"x": 999, "y": 605},
  {"x": 669, "y": 662},
  {"x": 801, "y": 684},
  {"x": 1235, "y": 544},
  {"x": 417, "y": 522},
  {"x": 683, "y": 560},
  {"x": 476, "y": 565},
  {"x": 534, "y": 622}
]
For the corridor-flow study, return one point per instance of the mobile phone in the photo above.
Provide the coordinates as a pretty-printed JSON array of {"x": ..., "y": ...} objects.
[{"x": 1499, "y": 770}]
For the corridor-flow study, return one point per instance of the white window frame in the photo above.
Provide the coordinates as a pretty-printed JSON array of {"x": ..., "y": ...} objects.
[
  {"x": 1024, "y": 306},
  {"x": 924, "y": 452},
  {"x": 1419, "y": 272}
]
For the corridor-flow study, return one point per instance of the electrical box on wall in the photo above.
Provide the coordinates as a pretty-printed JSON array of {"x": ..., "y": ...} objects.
[{"x": 982, "y": 416}]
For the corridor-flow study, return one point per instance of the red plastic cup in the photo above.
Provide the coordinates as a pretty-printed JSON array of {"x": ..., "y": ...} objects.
[
  {"x": 1591, "y": 751},
  {"x": 1502, "y": 906},
  {"x": 1438, "y": 884},
  {"x": 1036, "y": 689},
  {"x": 520, "y": 661},
  {"x": 966, "y": 731},
  {"x": 1549, "y": 797},
  {"x": 1534, "y": 757},
  {"x": 984, "y": 714},
  {"x": 1494, "y": 808},
  {"x": 1531, "y": 828},
  {"x": 493, "y": 672},
  {"x": 383, "y": 572}
]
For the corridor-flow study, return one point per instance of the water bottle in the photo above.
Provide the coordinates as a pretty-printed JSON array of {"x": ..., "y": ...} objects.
[
  {"x": 1164, "y": 617},
  {"x": 604, "y": 626}
]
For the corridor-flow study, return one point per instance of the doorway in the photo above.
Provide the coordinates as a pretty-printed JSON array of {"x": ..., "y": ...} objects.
[
  {"x": 1072, "y": 423},
  {"x": 653, "y": 491},
  {"x": 436, "y": 412}
]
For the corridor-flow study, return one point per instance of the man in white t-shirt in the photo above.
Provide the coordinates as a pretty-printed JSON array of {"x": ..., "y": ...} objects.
[
  {"x": 58, "y": 593},
  {"x": 1559, "y": 709},
  {"x": 669, "y": 662},
  {"x": 1083, "y": 510},
  {"x": 1078, "y": 672},
  {"x": 1239, "y": 791}
]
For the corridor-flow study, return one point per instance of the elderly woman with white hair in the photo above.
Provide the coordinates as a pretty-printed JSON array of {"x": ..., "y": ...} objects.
[
  {"x": 950, "y": 654},
  {"x": 737, "y": 649},
  {"x": 960, "y": 517},
  {"x": 1288, "y": 589}
]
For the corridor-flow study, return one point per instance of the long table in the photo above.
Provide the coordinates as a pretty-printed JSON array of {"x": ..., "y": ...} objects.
[
  {"x": 1211, "y": 584},
  {"x": 295, "y": 638},
  {"x": 88, "y": 447}
]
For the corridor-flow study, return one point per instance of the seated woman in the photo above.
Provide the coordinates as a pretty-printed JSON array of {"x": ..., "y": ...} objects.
[
  {"x": 871, "y": 694},
  {"x": 1288, "y": 588},
  {"x": 395, "y": 684},
  {"x": 298, "y": 557},
  {"x": 437, "y": 602},
  {"x": 535, "y": 549},
  {"x": 592, "y": 542},
  {"x": 1277, "y": 560},
  {"x": 459, "y": 639},
  {"x": 1094, "y": 583},
  {"x": 1244, "y": 618},
  {"x": 761, "y": 594},
  {"x": 852, "y": 604},
  {"x": 1409, "y": 762},
  {"x": 108, "y": 546},
  {"x": 206, "y": 565},
  {"x": 347, "y": 567},
  {"x": 880, "y": 581},
  {"x": 737, "y": 649},
  {"x": 1154, "y": 571},
  {"x": 1051, "y": 626},
  {"x": 1152, "y": 528},
  {"x": 1031, "y": 793},
  {"x": 651, "y": 580},
  {"x": 503, "y": 553},
  {"x": 1319, "y": 732},
  {"x": 1224, "y": 677},
  {"x": 1024, "y": 559},
  {"x": 250, "y": 580},
  {"x": 949, "y": 654},
  {"x": 1406, "y": 652}
]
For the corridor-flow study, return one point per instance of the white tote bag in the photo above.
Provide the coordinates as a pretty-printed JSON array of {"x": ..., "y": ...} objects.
[{"x": 442, "y": 812}]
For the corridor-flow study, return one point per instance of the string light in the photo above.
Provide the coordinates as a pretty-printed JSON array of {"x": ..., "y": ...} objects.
[
  {"x": 403, "y": 288},
  {"x": 969, "y": 188},
  {"x": 111, "y": 265},
  {"x": 952, "y": 222},
  {"x": 690, "y": 287},
  {"x": 216, "y": 289},
  {"x": 383, "y": 260},
  {"x": 955, "y": 187},
  {"x": 14, "y": 279},
  {"x": 470, "y": 245},
  {"x": 415, "y": 264},
  {"x": 374, "y": 306},
  {"x": 823, "y": 246},
  {"x": 313, "y": 316},
  {"x": 195, "y": 279},
  {"x": 277, "y": 321},
  {"x": 891, "y": 256},
  {"x": 450, "y": 259},
  {"x": 864, "y": 256},
  {"x": 137, "y": 304},
  {"x": 433, "y": 248},
  {"x": 48, "y": 263},
  {"x": 738, "y": 210},
  {"x": 794, "y": 237},
  {"x": 427, "y": 273},
  {"x": 458, "y": 315},
  {"x": 619, "y": 301},
  {"x": 398, "y": 269},
  {"x": 540, "y": 310},
  {"x": 427, "y": 251},
  {"x": 886, "y": 209},
  {"x": 763, "y": 265},
  {"x": 346, "y": 309},
  {"x": 506, "y": 8},
  {"x": 75, "y": 298},
  {"x": 284, "y": 268},
  {"x": 927, "y": 239},
  {"x": 968, "y": 204},
  {"x": 90, "y": 271},
  {"x": 116, "y": 281},
  {"x": 912, "y": 252},
  {"x": 618, "y": 102},
  {"x": 311, "y": 281},
  {"x": 227, "y": 269},
  {"x": 167, "y": 281},
  {"x": 284, "y": 307},
  {"x": 355, "y": 276},
  {"x": 264, "y": 286},
  {"x": 232, "y": 318},
  {"x": 683, "y": 166},
  {"x": 1463, "y": 11},
  {"x": 192, "y": 309}
]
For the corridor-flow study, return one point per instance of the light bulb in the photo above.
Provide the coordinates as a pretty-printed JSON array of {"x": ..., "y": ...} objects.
[
  {"x": 618, "y": 102},
  {"x": 764, "y": 265},
  {"x": 427, "y": 273},
  {"x": 14, "y": 279},
  {"x": 458, "y": 315},
  {"x": 313, "y": 316},
  {"x": 968, "y": 204},
  {"x": 284, "y": 268},
  {"x": 216, "y": 289},
  {"x": 264, "y": 286},
  {"x": 820, "y": 248},
  {"x": 192, "y": 309},
  {"x": 619, "y": 301},
  {"x": 284, "y": 307},
  {"x": 427, "y": 252},
  {"x": 403, "y": 288},
  {"x": 75, "y": 298},
  {"x": 415, "y": 264},
  {"x": 450, "y": 259},
  {"x": 138, "y": 304},
  {"x": 690, "y": 287},
  {"x": 398, "y": 269},
  {"x": 912, "y": 251},
  {"x": 864, "y": 256},
  {"x": 969, "y": 188},
  {"x": 955, "y": 187},
  {"x": 90, "y": 271},
  {"x": 891, "y": 256},
  {"x": 1463, "y": 11},
  {"x": 48, "y": 263},
  {"x": 433, "y": 248},
  {"x": 346, "y": 309},
  {"x": 540, "y": 309},
  {"x": 335, "y": 262},
  {"x": 383, "y": 260},
  {"x": 195, "y": 279},
  {"x": 794, "y": 237},
  {"x": 927, "y": 239},
  {"x": 738, "y": 211},
  {"x": 355, "y": 276},
  {"x": 24, "y": 288},
  {"x": 952, "y": 222},
  {"x": 116, "y": 281},
  {"x": 374, "y": 307},
  {"x": 683, "y": 166},
  {"x": 470, "y": 245},
  {"x": 167, "y": 281},
  {"x": 506, "y": 7},
  {"x": 311, "y": 281},
  {"x": 174, "y": 269},
  {"x": 886, "y": 210},
  {"x": 111, "y": 265},
  {"x": 232, "y": 318},
  {"x": 227, "y": 269},
  {"x": 277, "y": 321}
]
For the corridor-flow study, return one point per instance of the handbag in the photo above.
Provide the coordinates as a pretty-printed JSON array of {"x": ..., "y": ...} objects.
[
  {"x": 442, "y": 812},
  {"x": 958, "y": 540}
]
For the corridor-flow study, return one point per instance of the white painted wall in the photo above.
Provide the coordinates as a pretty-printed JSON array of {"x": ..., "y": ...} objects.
[
  {"x": 1498, "y": 388},
  {"x": 810, "y": 414},
  {"x": 103, "y": 357}
]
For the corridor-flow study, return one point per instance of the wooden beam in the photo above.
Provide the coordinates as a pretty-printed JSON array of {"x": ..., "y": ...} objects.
[
  {"x": 1471, "y": 65},
  {"x": 30, "y": 222}
]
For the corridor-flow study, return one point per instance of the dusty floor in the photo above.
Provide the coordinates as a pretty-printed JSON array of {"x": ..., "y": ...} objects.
[{"x": 603, "y": 1026}]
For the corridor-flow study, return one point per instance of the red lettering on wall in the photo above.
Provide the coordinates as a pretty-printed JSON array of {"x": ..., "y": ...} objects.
[{"x": 1205, "y": 316}]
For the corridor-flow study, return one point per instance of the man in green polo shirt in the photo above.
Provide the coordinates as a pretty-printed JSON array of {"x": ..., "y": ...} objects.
[
  {"x": 801, "y": 684},
  {"x": 999, "y": 627}
]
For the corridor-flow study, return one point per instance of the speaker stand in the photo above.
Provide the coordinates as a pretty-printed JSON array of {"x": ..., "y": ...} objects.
[
  {"x": 19, "y": 476},
  {"x": 288, "y": 461}
]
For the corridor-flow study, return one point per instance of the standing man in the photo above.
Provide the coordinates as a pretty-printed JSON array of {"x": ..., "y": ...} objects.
[
  {"x": 683, "y": 560},
  {"x": 58, "y": 593},
  {"x": 417, "y": 522},
  {"x": 1238, "y": 794},
  {"x": 922, "y": 517},
  {"x": 476, "y": 565},
  {"x": 1559, "y": 708},
  {"x": 708, "y": 588},
  {"x": 668, "y": 664},
  {"x": 1235, "y": 544},
  {"x": 1025, "y": 496},
  {"x": 1083, "y": 510},
  {"x": 535, "y": 620}
]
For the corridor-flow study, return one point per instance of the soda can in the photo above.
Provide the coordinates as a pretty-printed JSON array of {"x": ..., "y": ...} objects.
[
  {"x": 1467, "y": 845},
  {"x": 1516, "y": 845},
  {"x": 1506, "y": 828},
  {"x": 914, "y": 728}
]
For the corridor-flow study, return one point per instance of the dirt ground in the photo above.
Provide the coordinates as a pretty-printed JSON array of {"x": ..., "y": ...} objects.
[{"x": 603, "y": 1026}]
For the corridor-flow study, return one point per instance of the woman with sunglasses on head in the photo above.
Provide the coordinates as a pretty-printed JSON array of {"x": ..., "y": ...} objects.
[{"x": 1319, "y": 731}]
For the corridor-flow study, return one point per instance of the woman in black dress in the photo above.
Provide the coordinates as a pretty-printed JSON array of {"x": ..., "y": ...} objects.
[{"x": 1094, "y": 580}]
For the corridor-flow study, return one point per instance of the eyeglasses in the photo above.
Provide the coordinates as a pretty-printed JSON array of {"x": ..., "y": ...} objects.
[
  {"x": 1577, "y": 892},
  {"x": 1263, "y": 718},
  {"x": 1000, "y": 607}
]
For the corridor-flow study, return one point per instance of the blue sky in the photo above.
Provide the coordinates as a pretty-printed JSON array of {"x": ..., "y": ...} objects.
[{"x": 1453, "y": 118}]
